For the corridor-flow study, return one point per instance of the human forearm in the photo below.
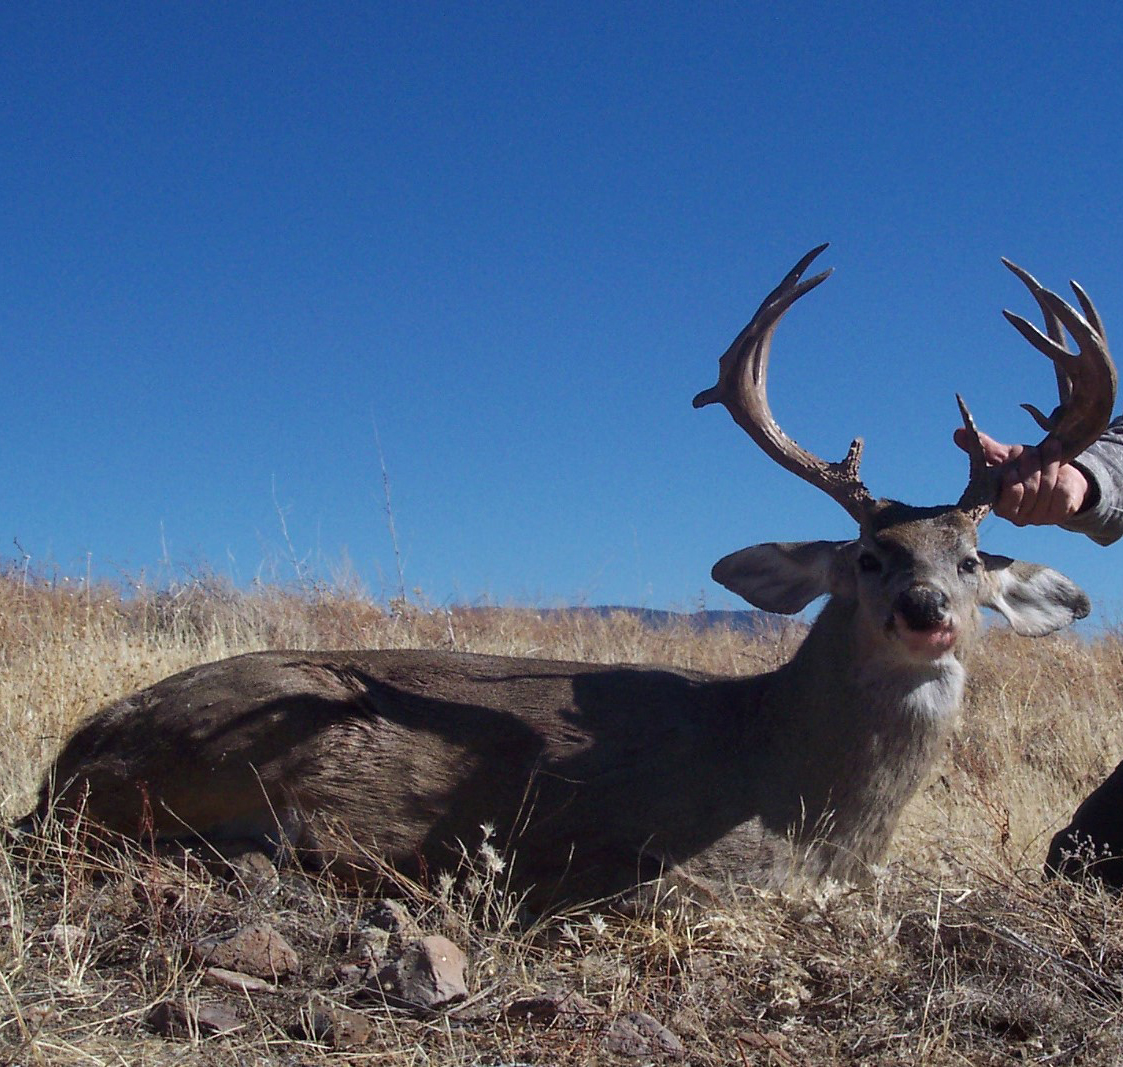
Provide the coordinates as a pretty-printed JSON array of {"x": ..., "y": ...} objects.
[{"x": 1101, "y": 519}]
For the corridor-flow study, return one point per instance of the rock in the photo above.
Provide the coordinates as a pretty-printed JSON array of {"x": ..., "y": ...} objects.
[
  {"x": 69, "y": 938},
  {"x": 427, "y": 973},
  {"x": 374, "y": 947},
  {"x": 333, "y": 1025},
  {"x": 633, "y": 1034},
  {"x": 565, "y": 1009},
  {"x": 254, "y": 872},
  {"x": 174, "y": 1019},
  {"x": 375, "y": 944},
  {"x": 639, "y": 1034},
  {"x": 243, "y": 983},
  {"x": 392, "y": 916},
  {"x": 351, "y": 973},
  {"x": 256, "y": 949}
]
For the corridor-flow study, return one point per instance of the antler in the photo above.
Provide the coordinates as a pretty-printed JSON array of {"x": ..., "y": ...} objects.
[
  {"x": 741, "y": 387},
  {"x": 1086, "y": 384}
]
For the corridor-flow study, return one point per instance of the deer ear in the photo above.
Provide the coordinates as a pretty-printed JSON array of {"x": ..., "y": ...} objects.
[
  {"x": 1034, "y": 600},
  {"x": 781, "y": 577}
]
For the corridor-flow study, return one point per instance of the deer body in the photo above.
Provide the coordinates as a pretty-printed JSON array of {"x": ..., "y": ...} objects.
[{"x": 597, "y": 778}]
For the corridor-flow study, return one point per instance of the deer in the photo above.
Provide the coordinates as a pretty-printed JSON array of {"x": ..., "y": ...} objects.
[{"x": 598, "y": 780}]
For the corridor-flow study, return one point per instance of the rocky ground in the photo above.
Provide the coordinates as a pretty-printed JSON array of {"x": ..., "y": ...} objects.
[{"x": 126, "y": 957}]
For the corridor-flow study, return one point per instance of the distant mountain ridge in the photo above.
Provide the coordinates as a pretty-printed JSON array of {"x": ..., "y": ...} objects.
[{"x": 746, "y": 622}]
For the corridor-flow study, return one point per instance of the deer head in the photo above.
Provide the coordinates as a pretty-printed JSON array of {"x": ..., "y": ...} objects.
[{"x": 915, "y": 574}]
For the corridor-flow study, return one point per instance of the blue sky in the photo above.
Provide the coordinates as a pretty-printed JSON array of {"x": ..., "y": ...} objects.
[{"x": 238, "y": 238}]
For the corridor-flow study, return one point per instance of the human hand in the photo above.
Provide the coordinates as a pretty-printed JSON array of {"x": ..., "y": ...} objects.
[{"x": 1035, "y": 489}]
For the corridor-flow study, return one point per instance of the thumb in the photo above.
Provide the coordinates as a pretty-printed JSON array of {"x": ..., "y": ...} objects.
[{"x": 994, "y": 451}]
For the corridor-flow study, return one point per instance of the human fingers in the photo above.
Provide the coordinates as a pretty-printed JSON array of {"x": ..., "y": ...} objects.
[
  {"x": 1063, "y": 487},
  {"x": 1011, "y": 501},
  {"x": 1044, "y": 504},
  {"x": 995, "y": 451},
  {"x": 1038, "y": 490}
]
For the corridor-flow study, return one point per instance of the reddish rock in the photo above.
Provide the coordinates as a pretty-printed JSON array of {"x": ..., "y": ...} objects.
[
  {"x": 256, "y": 949},
  {"x": 243, "y": 983},
  {"x": 335, "y": 1026},
  {"x": 638, "y": 1034},
  {"x": 427, "y": 973},
  {"x": 174, "y": 1019},
  {"x": 565, "y": 1009}
]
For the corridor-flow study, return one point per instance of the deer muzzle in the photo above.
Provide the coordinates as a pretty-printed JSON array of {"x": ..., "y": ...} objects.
[{"x": 922, "y": 619}]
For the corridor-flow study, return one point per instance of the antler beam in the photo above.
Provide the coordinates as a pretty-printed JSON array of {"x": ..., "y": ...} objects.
[{"x": 742, "y": 389}]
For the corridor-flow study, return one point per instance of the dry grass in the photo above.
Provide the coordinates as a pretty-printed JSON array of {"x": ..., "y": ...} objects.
[{"x": 959, "y": 954}]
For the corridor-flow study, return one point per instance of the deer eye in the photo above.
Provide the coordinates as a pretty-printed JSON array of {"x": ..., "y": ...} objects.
[
  {"x": 869, "y": 563},
  {"x": 969, "y": 565}
]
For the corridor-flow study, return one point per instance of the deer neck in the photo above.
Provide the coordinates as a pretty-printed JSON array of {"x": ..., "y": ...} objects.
[
  {"x": 854, "y": 667},
  {"x": 863, "y": 727}
]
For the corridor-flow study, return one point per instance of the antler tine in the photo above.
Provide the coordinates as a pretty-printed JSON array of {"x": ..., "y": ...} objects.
[
  {"x": 1086, "y": 384},
  {"x": 982, "y": 481},
  {"x": 1055, "y": 331},
  {"x": 742, "y": 389},
  {"x": 1090, "y": 312},
  {"x": 790, "y": 281}
]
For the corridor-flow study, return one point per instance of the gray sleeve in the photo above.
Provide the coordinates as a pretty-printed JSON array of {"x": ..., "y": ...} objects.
[{"x": 1103, "y": 465}]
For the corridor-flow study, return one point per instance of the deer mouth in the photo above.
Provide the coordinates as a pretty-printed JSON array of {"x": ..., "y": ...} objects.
[{"x": 929, "y": 642}]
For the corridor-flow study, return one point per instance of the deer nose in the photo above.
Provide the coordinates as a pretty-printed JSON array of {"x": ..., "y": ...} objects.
[{"x": 922, "y": 607}]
